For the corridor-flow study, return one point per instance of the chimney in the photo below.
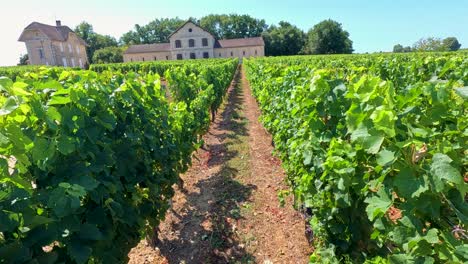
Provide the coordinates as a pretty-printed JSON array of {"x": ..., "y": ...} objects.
[{"x": 58, "y": 23}]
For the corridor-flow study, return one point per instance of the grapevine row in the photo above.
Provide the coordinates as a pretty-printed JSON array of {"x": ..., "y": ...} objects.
[
  {"x": 375, "y": 149},
  {"x": 88, "y": 160}
]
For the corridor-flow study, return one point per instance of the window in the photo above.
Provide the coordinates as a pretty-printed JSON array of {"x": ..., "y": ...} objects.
[
  {"x": 81, "y": 63},
  {"x": 204, "y": 42},
  {"x": 69, "y": 48},
  {"x": 243, "y": 52},
  {"x": 178, "y": 44},
  {"x": 77, "y": 50},
  {"x": 206, "y": 55},
  {"x": 64, "y": 62},
  {"x": 191, "y": 43},
  {"x": 189, "y": 30},
  {"x": 232, "y": 54},
  {"x": 61, "y": 47},
  {"x": 73, "y": 62},
  {"x": 167, "y": 57},
  {"x": 143, "y": 58},
  {"x": 219, "y": 54},
  {"x": 255, "y": 52},
  {"x": 155, "y": 58},
  {"x": 179, "y": 56},
  {"x": 131, "y": 59},
  {"x": 192, "y": 55},
  {"x": 41, "y": 53}
]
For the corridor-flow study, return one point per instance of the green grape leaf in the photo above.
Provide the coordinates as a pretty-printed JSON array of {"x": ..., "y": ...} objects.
[
  {"x": 441, "y": 169},
  {"x": 385, "y": 157},
  {"x": 9, "y": 106},
  {"x": 409, "y": 184},
  {"x": 59, "y": 100},
  {"x": 463, "y": 92},
  {"x": 384, "y": 120},
  {"x": 79, "y": 252},
  {"x": 400, "y": 259},
  {"x": 66, "y": 145},
  {"x": 431, "y": 236},
  {"x": 90, "y": 232},
  {"x": 462, "y": 251},
  {"x": 19, "y": 88},
  {"x": 378, "y": 204}
]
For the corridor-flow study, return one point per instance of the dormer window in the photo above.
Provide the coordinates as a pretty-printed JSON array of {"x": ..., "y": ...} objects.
[
  {"x": 191, "y": 43},
  {"x": 204, "y": 42},
  {"x": 190, "y": 30},
  {"x": 178, "y": 44}
]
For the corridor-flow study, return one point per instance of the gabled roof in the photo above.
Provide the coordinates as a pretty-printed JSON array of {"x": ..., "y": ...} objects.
[
  {"x": 239, "y": 42},
  {"x": 57, "y": 33},
  {"x": 145, "y": 48},
  {"x": 186, "y": 22}
]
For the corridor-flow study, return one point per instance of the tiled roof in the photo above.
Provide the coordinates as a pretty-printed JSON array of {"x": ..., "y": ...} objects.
[
  {"x": 144, "y": 48},
  {"x": 240, "y": 42},
  {"x": 57, "y": 33}
]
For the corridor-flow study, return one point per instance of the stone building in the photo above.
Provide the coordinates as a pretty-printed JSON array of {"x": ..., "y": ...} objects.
[
  {"x": 54, "y": 45},
  {"x": 190, "y": 41}
]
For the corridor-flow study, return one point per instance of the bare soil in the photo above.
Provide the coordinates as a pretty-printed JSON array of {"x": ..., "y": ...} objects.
[{"x": 229, "y": 211}]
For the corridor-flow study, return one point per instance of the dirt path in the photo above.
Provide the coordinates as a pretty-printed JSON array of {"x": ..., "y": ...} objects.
[{"x": 229, "y": 211}]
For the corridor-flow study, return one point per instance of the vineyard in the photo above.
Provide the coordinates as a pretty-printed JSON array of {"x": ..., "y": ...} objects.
[
  {"x": 88, "y": 160},
  {"x": 374, "y": 148}
]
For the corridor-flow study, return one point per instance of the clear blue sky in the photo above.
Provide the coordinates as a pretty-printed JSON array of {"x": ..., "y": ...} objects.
[{"x": 374, "y": 25}]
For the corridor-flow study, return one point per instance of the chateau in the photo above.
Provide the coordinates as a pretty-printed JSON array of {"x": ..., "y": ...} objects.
[
  {"x": 54, "y": 45},
  {"x": 190, "y": 41}
]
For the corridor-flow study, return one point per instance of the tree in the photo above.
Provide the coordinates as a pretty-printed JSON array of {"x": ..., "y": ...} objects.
[
  {"x": 108, "y": 55},
  {"x": 94, "y": 40},
  {"x": 451, "y": 43},
  {"x": 407, "y": 49},
  {"x": 398, "y": 48},
  {"x": 428, "y": 44},
  {"x": 215, "y": 24},
  {"x": 328, "y": 37},
  {"x": 233, "y": 26},
  {"x": 286, "y": 39},
  {"x": 437, "y": 44},
  {"x": 156, "y": 31},
  {"x": 23, "y": 60}
]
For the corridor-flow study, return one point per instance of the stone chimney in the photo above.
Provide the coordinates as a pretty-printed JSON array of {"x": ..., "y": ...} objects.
[{"x": 58, "y": 23}]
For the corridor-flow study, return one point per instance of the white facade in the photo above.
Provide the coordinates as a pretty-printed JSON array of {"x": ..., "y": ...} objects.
[{"x": 193, "y": 42}]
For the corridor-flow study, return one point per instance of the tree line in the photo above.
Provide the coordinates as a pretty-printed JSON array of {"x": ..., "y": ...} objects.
[
  {"x": 430, "y": 44},
  {"x": 283, "y": 39},
  {"x": 326, "y": 37}
]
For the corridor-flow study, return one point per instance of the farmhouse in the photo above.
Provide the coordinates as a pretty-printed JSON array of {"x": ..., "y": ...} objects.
[
  {"x": 190, "y": 41},
  {"x": 54, "y": 45}
]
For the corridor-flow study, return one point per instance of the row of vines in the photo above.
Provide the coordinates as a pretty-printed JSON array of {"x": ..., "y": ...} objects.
[
  {"x": 375, "y": 149},
  {"x": 88, "y": 160}
]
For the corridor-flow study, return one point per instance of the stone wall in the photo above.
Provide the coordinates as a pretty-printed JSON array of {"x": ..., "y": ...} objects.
[
  {"x": 150, "y": 56},
  {"x": 240, "y": 52}
]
